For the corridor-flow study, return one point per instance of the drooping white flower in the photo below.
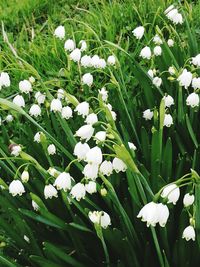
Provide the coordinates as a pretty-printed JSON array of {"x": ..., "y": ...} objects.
[
  {"x": 86, "y": 61},
  {"x": 148, "y": 114},
  {"x": 4, "y": 79},
  {"x": 35, "y": 205},
  {"x": 53, "y": 172},
  {"x": 37, "y": 137},
  {"x": 163, "y": 214},
  {"x": 94, "y": 156},
  {"x": 75, "y": 55},
  {"x": 188, "y": 199},
  {"x": 196, "y": 83},
  {"x": 132, "y": 146},
  {"x": 63, "y": 181},
  {"x": 185, "y": 78},
  {"x": 157, "y": 40},
  {"x": 104, "y": 94},
  {"x": 171, "y": 192},
  {"x": 100, "y": 136},
  {"x": 9, "y": 118},
  {"x": 91, "y": 119},
  {"x": 138, "y": 32},
  {"x": 87, "y": 79},
  {"x": 25, "y": 86},
  {"x": 50, "y": 191},
  {"x": 157, "y": 50},
  {"x": 111, "y": 60},
  {"x": 83, "y": 109},
  {"x": 40, "y": 98},
  {"x": 15, "y": 150},
  {"x": 100, "y": 217},
  {"x": 95, "y": 61},
  {"x": 168, "y": 120},
  {"x": 170, "y": 43},
  {"x": 169, "y": 101},
  {"x": 90, "y": 171},
  {"x": 85, "y": 132},
  {"x": 192, "y": 100},
  {"x": 172, "y": 70},
  {"x": 196, "y": 60},
  {"x": 60, "y": 94},
  {"x": 189, "y": 233},
  {"x": 150, "y": 73},
  {"x": 157, "y": 81},
  {"x": 16, "y": 188},
  {"x": 80, "y": 150},
  {"x": 56, "y": 105},
  {"x": 25, "y": 176},
  {"x": 51, "y": 149},
  {"x": 78, "y": 191},
  {"x": 102, "y": 63},
  {"x": 114, "y": 115},
  {"x": 19, "y": 101},
  {"x": 91, "y": 187},
  {"x": 83, "y": 45},
  {"x": 35, "y": 110},
  {"x": 66, "y": 113},
  {"x": 106, "y": 168},
  {"x": 145, "y": 53},
  {"x": 119, "y": 165},
  {"x": 174, "y": 16},
  {"x": 60, "y": 32},
  {"x": 69, "y": 45}
]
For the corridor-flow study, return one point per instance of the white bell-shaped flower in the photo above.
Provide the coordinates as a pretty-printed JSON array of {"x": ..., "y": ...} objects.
[
  {"x": 85, "y": 132},
  {"x": 91, "y": 119},
  {"x": 51, "y": 149},
  {"x": 138, "y": 32},
  {"x": 60, "y": 32},
  {"x": 189, "y": 233},
  {"x": 188, "y": 200},
  {"x": 106, "y": 168},
  {"x": 91, "y": 187},
  {"x": 78, "y": 191},
  {"x": 56, "y": 105},
  {"x": 19, "y": 101},
  {"x": 90, "y": 171},
  {"x": 63, "y": 181},
  {"x": 80, "y": 150},
  {"x": 119, "y": 165},
  {"x": 25, "y": 86},
  {"x": 185, "y": 78},
  {"x": 171, "y": 192},
  {"x": 35, "y": 110},
  {"x": 50, "y": 191},
  {"x": 16, "y": 188},
  {"x": 83, "y": 109},
  {"x": 94, "y": 156},
  {"x": 69, "y": 45}
]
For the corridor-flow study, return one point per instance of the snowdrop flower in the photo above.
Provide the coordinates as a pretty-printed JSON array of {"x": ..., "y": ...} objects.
[
  {"x": 40, "y": 98},
  {"x": 100, "y": 136},
  {"x": 15, "y": 150},
  {"x": 145, "y": 53},
  {"x": 56, "y": 105},
  {"x": 37, "y": 137},
  {"x": 185, "y": 78},
  {"x": 19, "y": 101},
  {"x": 94, "y": 156},
  {"x": 66, "y": 113},
  {"x": 16, "y": 188},
  {"x": 188, "y": 200},
  {"x": 25, "y": 176},
  {"x": 90, "y": 171},
  {"x": 78, "y": 191},
  {"x": 9, "y": 118},
  {"x": 168, "y": 120},
  {"x": 106, "y": 168},
  {"x": 51, "y": 149},
  {"x": 75, "y": 55},
  {"x": 189, "y": 233},
  {"x": 119, "y": 165},
  {"x": 157, "y": 81},
  {"x": 63, "y": 181},
  {"x": 100, "y": 217},
  {"x": 83, "y": 45},
  {"x": 69, "y": 45},
  {"x": 102, "y": 63},
  {"x": 171, "y": 192},
  {"x": 95, "y": 61},
  {"x": 174, "y": 16},
  {"x": 170, "y": 43},
  {"x": 35, "y": 110},
  {"x": 83, "y": 109},
  {"x": 25, "y": 86},
  {"x": 85, "y": 132},
  {"x": 132, "y": 146},
  {"x": 91, "y": 187},
  {"x": 35, "y": 205},
  {"x": 94, "y": 217},
  {"x": 91, "y": 119},
  {"x": 60, "y": 94},
  {"x": 150, "y": 73},
  {"x": 104, "y": 94},
  {"x": 196, "y": 60},
  {"x": 80, "y": 150},
  {"x": 87, "y": 79},
  {"x": 138, "y": 32},
  {"x": 111, "y": 60},
  {"x": 50, "y": 191},
  {"x": 169, "y": 101},
  {"x": 157, "y": 40},
  {"x": 157, "y": 50},
  {"x": 4, "y": 79},
  {"x": 192, "y": 100},
  {"x": 196, "y": 83},
  {"x": 60, "y": 32},
  {"x": 172, "y": 70},
  {"x": 147, "y": 114},
  {"x": 86, "y": 61}
]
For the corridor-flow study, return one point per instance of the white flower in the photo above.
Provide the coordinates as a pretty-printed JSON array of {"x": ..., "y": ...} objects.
[
  {"x": 185, "y": 78},
  {"x": 85, "y": 132},
  {"x": 25, "y": 176},
  {"x": 90, "y": 171},
  {"x": 63, "y": 181},
  {"x": 171, "y": 192},
  {"x": 189, "y": 233},
  {"x": 53, "y": 172},
  {"x": 75, "y": 55},
  {"x": 132, "y": 146},
  {"x": 192, "y": 100},
  {"x": 170, "y": 43},
  {"x": 56, "y": 105},
  {"x": 163, "y": 214},
  {"x": 19, "y": 101},
  {"x": 95, "y": 61},
  {"x": 157, "y": 50},
  {"x": 169, "y": 9},
  {"x": 119, "y": 165},
  {"x": 69, "y": 45},
  {"x": 51, "y": 149},
  {"x": 83, "y": 45},
  {"x": 60, "y": 94},
  {"x": 15, "y": 150},
  {"x": 114, "y": 115},
  {"x": 196, "y": 60},
  {"x": 157, "y": 40},
  {"x": 100, "y": 217},
  {"x": 172, "y": 70},
  {"x": 102, "y": 63},
  {"x": 91, "y": 187},
  {"x": 35, "y": 110},
  {"x": 106, "y": 168},
  {"x": 40, "y": 98},
  {"x": 37, "y": 137},
  {"x": 157, "y": 81},
  {"x": 60, "y": 32},
  {"x": 35, "y": 205},
  {"x": 80, "y": 150},
  {"x": 50, "y": 191},
  {"x": 66, "y": 113},
  {"x": 188, "y": 200},
  {"x": 4, "y": 79},
  {"x": 174, "y": 16},
  {"x": 111, "y": 60},
  {"x": 16, "y": 188},
  {"x": 91, "y": 119},
  {"x": 94, "y": 217},
  {"x": 100, "y": 136},
  {"x": 168, "y": 120},
  {"x": 78, "y": 191},
  {"x": 31, "y": 79},
  {"x": 196, "y": 83},
  {"x": 104, "y": 94},
  {"x": 87, "y": 79},
  {"x": 83, "y": 109},
  {"x": 94, "y": 156},
  {"x": 9, "y": 118},
  {"x": 169, "y": 101},
  {"x": 150, "y": 73},
  {"x": 138, "y": 32},
  {"x": 25, "y": 86},
  {"x": 86, "y": 61},
  {"x": 145, "y": 53},
  {"x": 147, "y": 114}
]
